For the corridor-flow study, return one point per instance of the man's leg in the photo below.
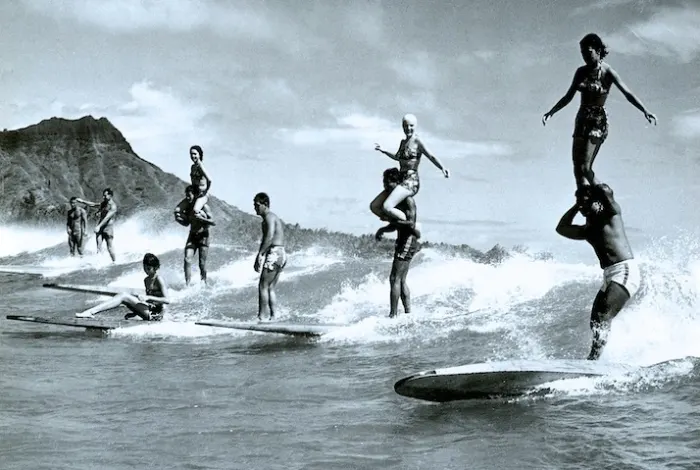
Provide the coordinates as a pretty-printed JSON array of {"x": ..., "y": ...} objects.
[
  {"x": 71, "y": 244},
  {"x": 203, "y": 251},
  {"x": 606, "y": 306},
  {"x": 272, "y": 294},
  {"x": 266, "y": 277},
  {"x": 189, "y": 254},
  {"x": 79, "y": 244},
  {"x": 109, "y": 240},
  {"x": 394, "y": 288},
  {"x": 402, "y": 273}
]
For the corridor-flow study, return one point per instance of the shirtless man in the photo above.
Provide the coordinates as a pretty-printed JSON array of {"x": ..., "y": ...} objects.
[
  {"x": 104, "y": 230},
  {"x": 198, "y": 238},
  {"x": 604, "y": 230},
  {"x": 406, "y": 247},
  {"x": 76, "y": 226},
  {"x": 271, "y": 256}
]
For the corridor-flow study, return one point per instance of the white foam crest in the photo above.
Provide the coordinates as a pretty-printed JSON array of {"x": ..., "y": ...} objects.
[
  {"x": 455, "y": 286},
  {"x": 15, "y": 240},
  {"x": 239, "y": 273}
]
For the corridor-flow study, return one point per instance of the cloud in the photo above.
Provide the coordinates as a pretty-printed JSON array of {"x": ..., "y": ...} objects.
[
  {"x": 688, "y": 125},
  {"x": 671, "y": 32},
  {"x": 360, "y": 129},
  {"x": 418, "y": 70},
  {"x": 180, "y": 15}
]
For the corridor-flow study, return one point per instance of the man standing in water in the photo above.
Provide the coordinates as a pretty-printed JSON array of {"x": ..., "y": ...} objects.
[
  {"x": 76, "y": 226},
  {"x": 198, "y": 239},
  {"x": 406, "y": 247},
  {"x": 104, "y": 230},
  {"x": 604, "y": 230},
  {"x": 271, "y": 256}
]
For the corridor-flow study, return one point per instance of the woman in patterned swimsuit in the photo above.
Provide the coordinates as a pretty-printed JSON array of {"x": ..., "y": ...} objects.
[
  {"x": 410, "y": 151},
  {"x": 594, "y": 81}
]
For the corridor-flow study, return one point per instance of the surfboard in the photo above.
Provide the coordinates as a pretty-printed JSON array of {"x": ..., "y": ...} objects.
[
  {"x": 27, "y": 269},
  {"x": 89, "y": 323},
  {"x": 499, "y": 379},
  {"x": 100, "y": 291},
  {"x": 294, "y": 329}
]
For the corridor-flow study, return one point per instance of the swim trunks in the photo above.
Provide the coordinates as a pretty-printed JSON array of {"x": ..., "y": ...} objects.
[
  {"x": 107, "y": 231},
  {"x": 626, "y": 273},
  {"x": 275, "y": 259},
  {"x": 591, "y": 123},
  {"x": 197, "y": 240},
  {"x": 75, "y": 242},
  {"x": 406, "y": 247}
]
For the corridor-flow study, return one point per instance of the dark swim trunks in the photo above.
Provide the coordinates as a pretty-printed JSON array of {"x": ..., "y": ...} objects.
[
  {"x": 406, "y": 247},
  {"x": 198, "y": 240}
]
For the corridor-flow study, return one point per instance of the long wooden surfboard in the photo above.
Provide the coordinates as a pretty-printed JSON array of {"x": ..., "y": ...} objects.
[
  {"x": 499, "y": 379},
  {"x": 101, "y": 291},
  {"x": 89, "y": 323},
  {"x": 294, "y": 329}
]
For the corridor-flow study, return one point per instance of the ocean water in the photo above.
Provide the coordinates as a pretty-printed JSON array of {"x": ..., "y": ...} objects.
[{"x": 175, "y": 395}]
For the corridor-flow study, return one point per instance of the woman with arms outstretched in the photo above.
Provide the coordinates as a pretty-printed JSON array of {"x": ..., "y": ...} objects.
[
  {"x": 409, "y": 154},
  {"x": 593, "y": 80}
]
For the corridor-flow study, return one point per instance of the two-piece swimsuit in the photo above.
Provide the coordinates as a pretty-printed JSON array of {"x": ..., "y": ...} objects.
[{"x": 591, "y": 119}]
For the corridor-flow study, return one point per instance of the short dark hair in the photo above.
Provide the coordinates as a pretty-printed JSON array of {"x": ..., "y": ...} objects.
[
  {"x": 392, "y": 175},
  {"x": 198, "y": 149},
  {"x": 190, "y": 189},
  {"x": 262, "y": 198},
  {"x": 73, "y": 199},
  {"x": 108, "y": 191},
  {"x": 593, "y": 40},
  {"x": 149, "y": 259}
]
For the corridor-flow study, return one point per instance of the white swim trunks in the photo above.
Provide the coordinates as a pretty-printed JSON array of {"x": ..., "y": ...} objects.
[{"x": 626, "y": 273}]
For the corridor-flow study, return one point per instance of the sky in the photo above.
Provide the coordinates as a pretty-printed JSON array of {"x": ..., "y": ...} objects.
[{"x": 290, "y": 97}]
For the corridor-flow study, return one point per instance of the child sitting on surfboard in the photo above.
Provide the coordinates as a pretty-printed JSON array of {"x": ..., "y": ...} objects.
[{"x": 149, "y": 307}]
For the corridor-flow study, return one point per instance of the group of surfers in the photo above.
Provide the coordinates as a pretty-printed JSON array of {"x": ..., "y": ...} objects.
[{"x": 603, "y": 228}]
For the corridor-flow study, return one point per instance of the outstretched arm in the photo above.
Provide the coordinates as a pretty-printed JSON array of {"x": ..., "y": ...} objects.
[
  {"x": 631, "y": 97},
  {"x": 433, "y": 159},
  {"x": 393, "y": 156},
  {"x": 566, "y": 227},
  {"x": 566, "y": 99},
  {"x": 87, "y": 203}
]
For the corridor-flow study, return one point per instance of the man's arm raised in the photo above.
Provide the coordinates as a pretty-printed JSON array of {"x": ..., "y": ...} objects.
[{"x": 566, "y": 227}]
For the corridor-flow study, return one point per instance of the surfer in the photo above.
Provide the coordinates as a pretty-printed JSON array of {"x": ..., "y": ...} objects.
[
  {"x": 201, "y": 182},
  {"x": 604, "y": 230},
  {"x": 408, "y": 155},
  {"x": 104, "y": 230},
  {"x": 198, "y": 238},
  {"x": 271, "y": 258},
  {"x": 407, "y": 245},
  {"x": 593, "y": 80},
  {"x": 76, "y": 226},
  {"x": 147, "y": 307}
]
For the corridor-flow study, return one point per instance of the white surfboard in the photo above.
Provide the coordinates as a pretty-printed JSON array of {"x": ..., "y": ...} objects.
[
  {"x": 28, "y": 269},
  {"x": 89, "y": 323},
  {"x": 101, "y": 291},
  {"x": 294, "y": 329},
  {"x": 499, "y": 379}
]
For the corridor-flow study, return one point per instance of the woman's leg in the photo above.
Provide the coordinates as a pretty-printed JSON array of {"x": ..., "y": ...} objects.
[
  {"x": 394, "y": 199},
  {"x": 114, "y": 302}
]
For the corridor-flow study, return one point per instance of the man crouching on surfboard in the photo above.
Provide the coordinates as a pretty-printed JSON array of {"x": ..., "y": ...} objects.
[
  {"x": 605, "y": 232},
  {"x": 149, "y": 307},
  {"x": 271, "y": 256},
  {"x": 407, "y": 245}
]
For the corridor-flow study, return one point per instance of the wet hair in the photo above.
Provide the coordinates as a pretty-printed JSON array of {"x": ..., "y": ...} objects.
[
  {"x": 190, "y": 189},
  {"x": 108, "y": 191},
  {"x": 198, "y": 149},
  {"x": 392, "y": 175},
  {"x": 262, "y": 198},
  {"x": 593, "y": 40},
  {"x": 149, "y": 259},
  {"x": 73, "y": 199}
]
